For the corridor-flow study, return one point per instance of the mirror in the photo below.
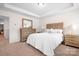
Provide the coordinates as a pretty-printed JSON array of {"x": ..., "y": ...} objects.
[{"x": 26, "y": 23}]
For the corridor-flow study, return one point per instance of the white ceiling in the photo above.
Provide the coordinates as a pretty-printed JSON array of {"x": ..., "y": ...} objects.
[{"x": 34, "y": 10}]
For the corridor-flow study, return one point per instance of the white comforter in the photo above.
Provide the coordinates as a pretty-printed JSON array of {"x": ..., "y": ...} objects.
[{"x": 45, "y": 42}]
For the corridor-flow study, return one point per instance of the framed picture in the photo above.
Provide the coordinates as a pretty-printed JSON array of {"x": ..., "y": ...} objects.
[{"x": 26, "y": 23}]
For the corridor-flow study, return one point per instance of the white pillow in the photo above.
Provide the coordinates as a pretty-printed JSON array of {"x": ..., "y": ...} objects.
[
  {"x": 49, "y": 30},
  {"x": 57, "y": 31},
  {"x": 54, "y": 30}
]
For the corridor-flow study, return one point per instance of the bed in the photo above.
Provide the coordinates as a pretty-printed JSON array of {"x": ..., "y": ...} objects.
[{"x": 47, "y": 41}]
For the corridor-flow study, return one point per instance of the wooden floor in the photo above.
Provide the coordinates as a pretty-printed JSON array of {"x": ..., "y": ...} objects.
[
  {"x": 23, "y": 49},
  {"x": 63, "y": 50},
  {"x": 17, "y": 49}
]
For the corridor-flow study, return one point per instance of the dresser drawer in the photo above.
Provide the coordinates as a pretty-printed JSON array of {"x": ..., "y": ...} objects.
[
  {"x": 71, "y": 36},
  {"x": 72, "y": 40}
]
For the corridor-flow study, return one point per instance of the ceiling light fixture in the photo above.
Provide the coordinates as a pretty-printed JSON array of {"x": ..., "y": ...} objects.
[{"x": 41, "y": 5}]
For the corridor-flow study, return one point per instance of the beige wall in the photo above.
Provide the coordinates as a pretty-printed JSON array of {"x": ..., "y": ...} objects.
[
  {"x": 15, "y": 23},
  {"x": 68, "y": 18}
]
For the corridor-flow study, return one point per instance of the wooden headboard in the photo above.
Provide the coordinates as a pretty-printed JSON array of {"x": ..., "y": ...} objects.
[{"x": 55, "y": 25}]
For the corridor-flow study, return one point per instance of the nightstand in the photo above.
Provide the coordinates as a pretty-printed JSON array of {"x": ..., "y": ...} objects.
[{"x": 72, "y": 40}]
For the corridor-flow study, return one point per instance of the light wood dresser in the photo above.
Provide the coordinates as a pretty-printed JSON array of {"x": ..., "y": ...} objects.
[
  {"x": 72, "y": 40},
  {"x": 25, "y": 32}
]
